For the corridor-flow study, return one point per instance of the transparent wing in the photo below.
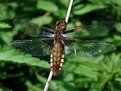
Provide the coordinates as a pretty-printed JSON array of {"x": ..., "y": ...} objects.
[
  {"x": 95, "y": 29},
  {"x": 88, "y": 47},
  {"x": 34, "y": 47},
  {"x": 32, "y": 29}
]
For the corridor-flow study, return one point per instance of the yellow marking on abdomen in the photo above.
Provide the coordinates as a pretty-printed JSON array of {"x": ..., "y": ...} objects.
[
  {"x": 51, "y": 60},
  {"x": 61, "y": 64},
  {"x": 62, "y": 60},
  {"x": 62, "y": 55}
]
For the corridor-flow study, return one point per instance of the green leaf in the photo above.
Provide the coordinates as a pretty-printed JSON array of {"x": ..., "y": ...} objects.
[
  {"x": 101, "y": 1},
  {"x": 69, "y": 77},
  {"x": 5, "y": 89},
  {"x": 118, "y": 2},
  {"x": 40, "y": 78},
  {"x": 61, "y": 14},
  {"x": 64, "y": 2},
  {"x": 117, "y": 40},
  {"x": 4, "y": 75},
  {"x": 118, "y": 27},
  {"x": 4, "y": 25},
  {"x": 7, "y": 36},
  {"x": 41, "y": 20},
  {"x": 20, "y": 58},
  {"x": 86, "y": 71},
  {"x": 47, "y": 5},
  {"x": 89, "y": 8},
  {"x": 6, "y": 12},
  {"x": 33, "y": 87}
]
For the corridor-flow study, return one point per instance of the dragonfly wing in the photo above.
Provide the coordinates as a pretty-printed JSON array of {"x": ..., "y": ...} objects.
[
  {"x": 47, "y": 33},
  {"x": 95, "y": 29},
  {"x": 32, "y": 29},
  {"x": 88, "y": 47},
  {"x": 34, "y": 47}
]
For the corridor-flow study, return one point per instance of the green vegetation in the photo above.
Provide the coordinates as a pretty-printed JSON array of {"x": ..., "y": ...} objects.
[{"x": 22, "y": 72}]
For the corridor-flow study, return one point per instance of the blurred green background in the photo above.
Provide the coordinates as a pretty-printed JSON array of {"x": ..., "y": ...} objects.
[{"x": 22, "y": 72}]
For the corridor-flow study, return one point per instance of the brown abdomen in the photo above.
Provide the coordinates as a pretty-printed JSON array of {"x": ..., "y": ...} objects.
[{"x": 57, "y": 57}]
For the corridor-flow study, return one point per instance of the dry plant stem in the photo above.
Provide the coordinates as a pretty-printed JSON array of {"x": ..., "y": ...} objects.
[
  {"x": 51, "y": 73},
  {"x": 69, "y": 10},
  {"x": 48, "y": 81}
]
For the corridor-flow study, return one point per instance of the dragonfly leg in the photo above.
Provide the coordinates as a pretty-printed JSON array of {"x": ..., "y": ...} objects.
[
  {"x": 48, "y": 30},
  {"x": 69, "y": 31}
]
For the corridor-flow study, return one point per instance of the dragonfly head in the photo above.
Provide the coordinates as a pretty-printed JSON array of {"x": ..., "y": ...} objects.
[{"x": 61, "y": 24}]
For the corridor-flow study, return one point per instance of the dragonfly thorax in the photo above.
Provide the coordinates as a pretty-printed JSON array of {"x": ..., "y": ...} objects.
[{"x": 61, "y": 25}]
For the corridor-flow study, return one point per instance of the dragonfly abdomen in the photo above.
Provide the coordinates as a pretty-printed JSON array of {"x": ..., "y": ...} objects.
[{"x": 57, "y": 57}]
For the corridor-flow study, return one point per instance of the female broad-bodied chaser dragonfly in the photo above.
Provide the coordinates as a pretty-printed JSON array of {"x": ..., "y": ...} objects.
[{"x": 57, "y": 42}]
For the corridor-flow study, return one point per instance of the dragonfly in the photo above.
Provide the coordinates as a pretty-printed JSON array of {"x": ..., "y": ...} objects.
[{"x": 56, "y": 42}]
